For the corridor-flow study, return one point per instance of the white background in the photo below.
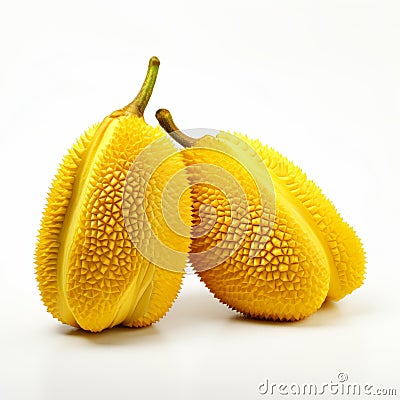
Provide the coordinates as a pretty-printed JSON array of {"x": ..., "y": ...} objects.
[{"x": 317, "y": 80}]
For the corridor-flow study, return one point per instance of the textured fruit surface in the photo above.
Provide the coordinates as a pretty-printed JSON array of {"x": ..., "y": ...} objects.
[
  {"x": 89, "y": 272},
  {"x": 311, "y": 254}
]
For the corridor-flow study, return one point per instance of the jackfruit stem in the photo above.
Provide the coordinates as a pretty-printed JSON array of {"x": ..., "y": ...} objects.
[
  {"x": 164, "y": 118},
  {"x": 138, "y": 105}
]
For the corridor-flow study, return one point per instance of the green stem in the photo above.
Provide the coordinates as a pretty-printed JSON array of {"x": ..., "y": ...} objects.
[
  {"x": 138, "y": 105},
  {"x": 164, "y": 118}
]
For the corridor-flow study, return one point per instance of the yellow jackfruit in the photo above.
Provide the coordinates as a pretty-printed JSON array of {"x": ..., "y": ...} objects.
[
  {"x": 89, "y": 272},
  {"x": 280, "y": 254}
]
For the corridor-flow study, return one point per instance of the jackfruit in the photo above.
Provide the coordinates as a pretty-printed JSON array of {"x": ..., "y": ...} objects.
[
  {"x": 274, "y": 247},
  {"x": 89, "y": 272}
]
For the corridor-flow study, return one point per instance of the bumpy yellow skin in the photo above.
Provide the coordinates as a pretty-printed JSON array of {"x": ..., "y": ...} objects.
[
  {"x": 90, "y": 274},
  {"x": 311, "y": 254}
]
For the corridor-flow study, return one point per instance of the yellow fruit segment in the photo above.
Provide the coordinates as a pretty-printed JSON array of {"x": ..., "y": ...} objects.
[
  {"x": 104, "y": 265},
  {"x": 48, "y": 245}
]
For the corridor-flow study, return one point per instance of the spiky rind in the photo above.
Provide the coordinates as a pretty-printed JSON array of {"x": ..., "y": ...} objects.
[
  {"x": 104, "y": 262},
  {"x": 106, "y": 277},
  {"x": 287, "y": 280},
  {"x": 60, "y": 193},
  {"x": 291, "y": 276},
  {"x": 345, "y": 246}
]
